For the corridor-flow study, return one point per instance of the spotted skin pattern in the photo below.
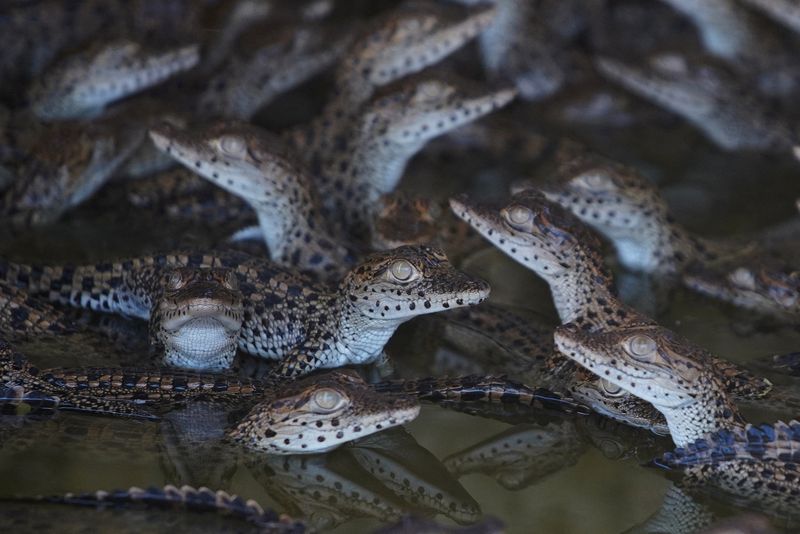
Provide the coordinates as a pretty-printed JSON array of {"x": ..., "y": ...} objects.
[
  {"x": 84, "y": 84},
  {"x": 558, "y": 247},
  {"x": 286, "y": 316},
  {"x": 705, "y": 95},
  {"x": 715, "y": 445},
  {"x": 620, "y": 203},
  {"x": 253, "y": 165}
]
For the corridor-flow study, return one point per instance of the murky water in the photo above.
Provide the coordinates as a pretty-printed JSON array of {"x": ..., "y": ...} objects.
[{"x": 549, "y": 473}]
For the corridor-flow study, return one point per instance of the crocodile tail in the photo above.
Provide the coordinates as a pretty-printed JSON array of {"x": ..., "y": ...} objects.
[
  {"x": 200, "y": 499},
  {"x": 774, "y": 442},
  {"x": 124, "y": 286},
  {"x": 477, "y": 388}
]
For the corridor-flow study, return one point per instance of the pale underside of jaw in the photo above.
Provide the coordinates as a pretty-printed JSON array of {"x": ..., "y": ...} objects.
[
  {"x": 203, "y": 310},
  {"x": 288, "y": 440},
  {"x": 201, "y": 343}
]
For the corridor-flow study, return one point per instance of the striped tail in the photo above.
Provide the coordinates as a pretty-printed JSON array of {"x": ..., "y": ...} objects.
[
  {"x": 186, "y": 497},
  {"x": 478, "y": 388}
]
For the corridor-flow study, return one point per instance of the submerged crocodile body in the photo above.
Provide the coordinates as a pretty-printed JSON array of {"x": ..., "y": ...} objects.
[
  {"x": 21, "y": 315},
  {"x": 286, "y": 316},
  {"x": 756, "y": 464},
  {"x": 170, "y": 497}
]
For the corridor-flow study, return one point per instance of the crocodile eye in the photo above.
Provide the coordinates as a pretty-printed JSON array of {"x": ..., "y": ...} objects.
[
  {"x": 642, "y": 347},
  {"x": 175, "y": 280},
  {"x": 611, "y": 389},
  {"x": 232, "y": 145},
  {"x": 518, "y": 214},
  {"x": 326, "y": 400},
  {"x": 231, "y": 281},
  {"x": 743, "y": 277},
  {"x": 403, "y": 271},
  {"x": 594, "y": 180}
]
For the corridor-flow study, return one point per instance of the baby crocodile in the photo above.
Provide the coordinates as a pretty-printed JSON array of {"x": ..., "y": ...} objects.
[
  {"x": 707, "y": 96},
  {"x": 84, "y": 84},
  {"x": 196, "y": 317},
  {"x": 624, "y": 206},
  {"x": 286, "y": 316},
  {"x": 549, "y": 240},
  {"x": 715, "y": 446},
  {"x": 21, "y": 315},
  {"x": 313, "y": 414},
  {"x": 255, "y": 166}
]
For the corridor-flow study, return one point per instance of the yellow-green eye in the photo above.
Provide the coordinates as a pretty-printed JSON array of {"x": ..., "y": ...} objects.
[
  {"x": 519, "y": 214},
  {"x": 642, "y": 347},
  {"x": 611, "y": 389},
  {"x": 232, "y": 145},
  {"x": 327, "y": 400},
  {"x": 402, "y": 270}
]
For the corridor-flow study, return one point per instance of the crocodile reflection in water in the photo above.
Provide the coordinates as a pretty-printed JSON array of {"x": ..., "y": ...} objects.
[{"x": 526, "y": 453}]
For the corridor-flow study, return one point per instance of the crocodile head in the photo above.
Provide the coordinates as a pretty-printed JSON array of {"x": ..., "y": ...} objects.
[
  {"x": 255, "y": 166},
  {"x": 402, "y": 219},
  {"x": 409, "y": 39},
  {"x": 706, "y": 95},
  {"x": 763, "y": 286},
  {"x": 615, "y": 199},
  {"x": 539, "y": 234},
  {"x": 69, "y": 163},
  {"x": 86, "y": 83},
  {"x": 321, "y": 412},
  {"x": 660, "y": 367},
  {"x": 396, "y": 126},
  {"x": 198, "y": 318},
  {"x": 402, "y": 283}
]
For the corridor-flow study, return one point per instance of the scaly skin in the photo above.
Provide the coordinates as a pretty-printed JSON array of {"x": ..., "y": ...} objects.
[
  {"x": 287, "y": 317},
  {"x": 253, "y": 165},
  {"x": 401, "y": 42},
  {"x": 185, "y": 497},
  {"x": 84, "y": 84},
  {"x": 628, "y": 209},
  {"x": 370, "y": 153},
  {"x": 403, "y": 219},
  {"x": 501, "y": 341},
  {"x": 312, "y": 414},
  {"x": 559, "y": 248},
  {"x": 716, "y": 446},
  {"x": 33, "y": 36},
  {"x": 243, "y": 86},
  {"x": 21, "y": 315},
  {"x": 706, "y": 96},
  {"x": 197, "y": 317},
  {"x": 69, "y": 163}
]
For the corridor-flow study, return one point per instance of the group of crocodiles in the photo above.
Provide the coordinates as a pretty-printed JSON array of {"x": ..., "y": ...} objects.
[{"x": 267, "y": 339}]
